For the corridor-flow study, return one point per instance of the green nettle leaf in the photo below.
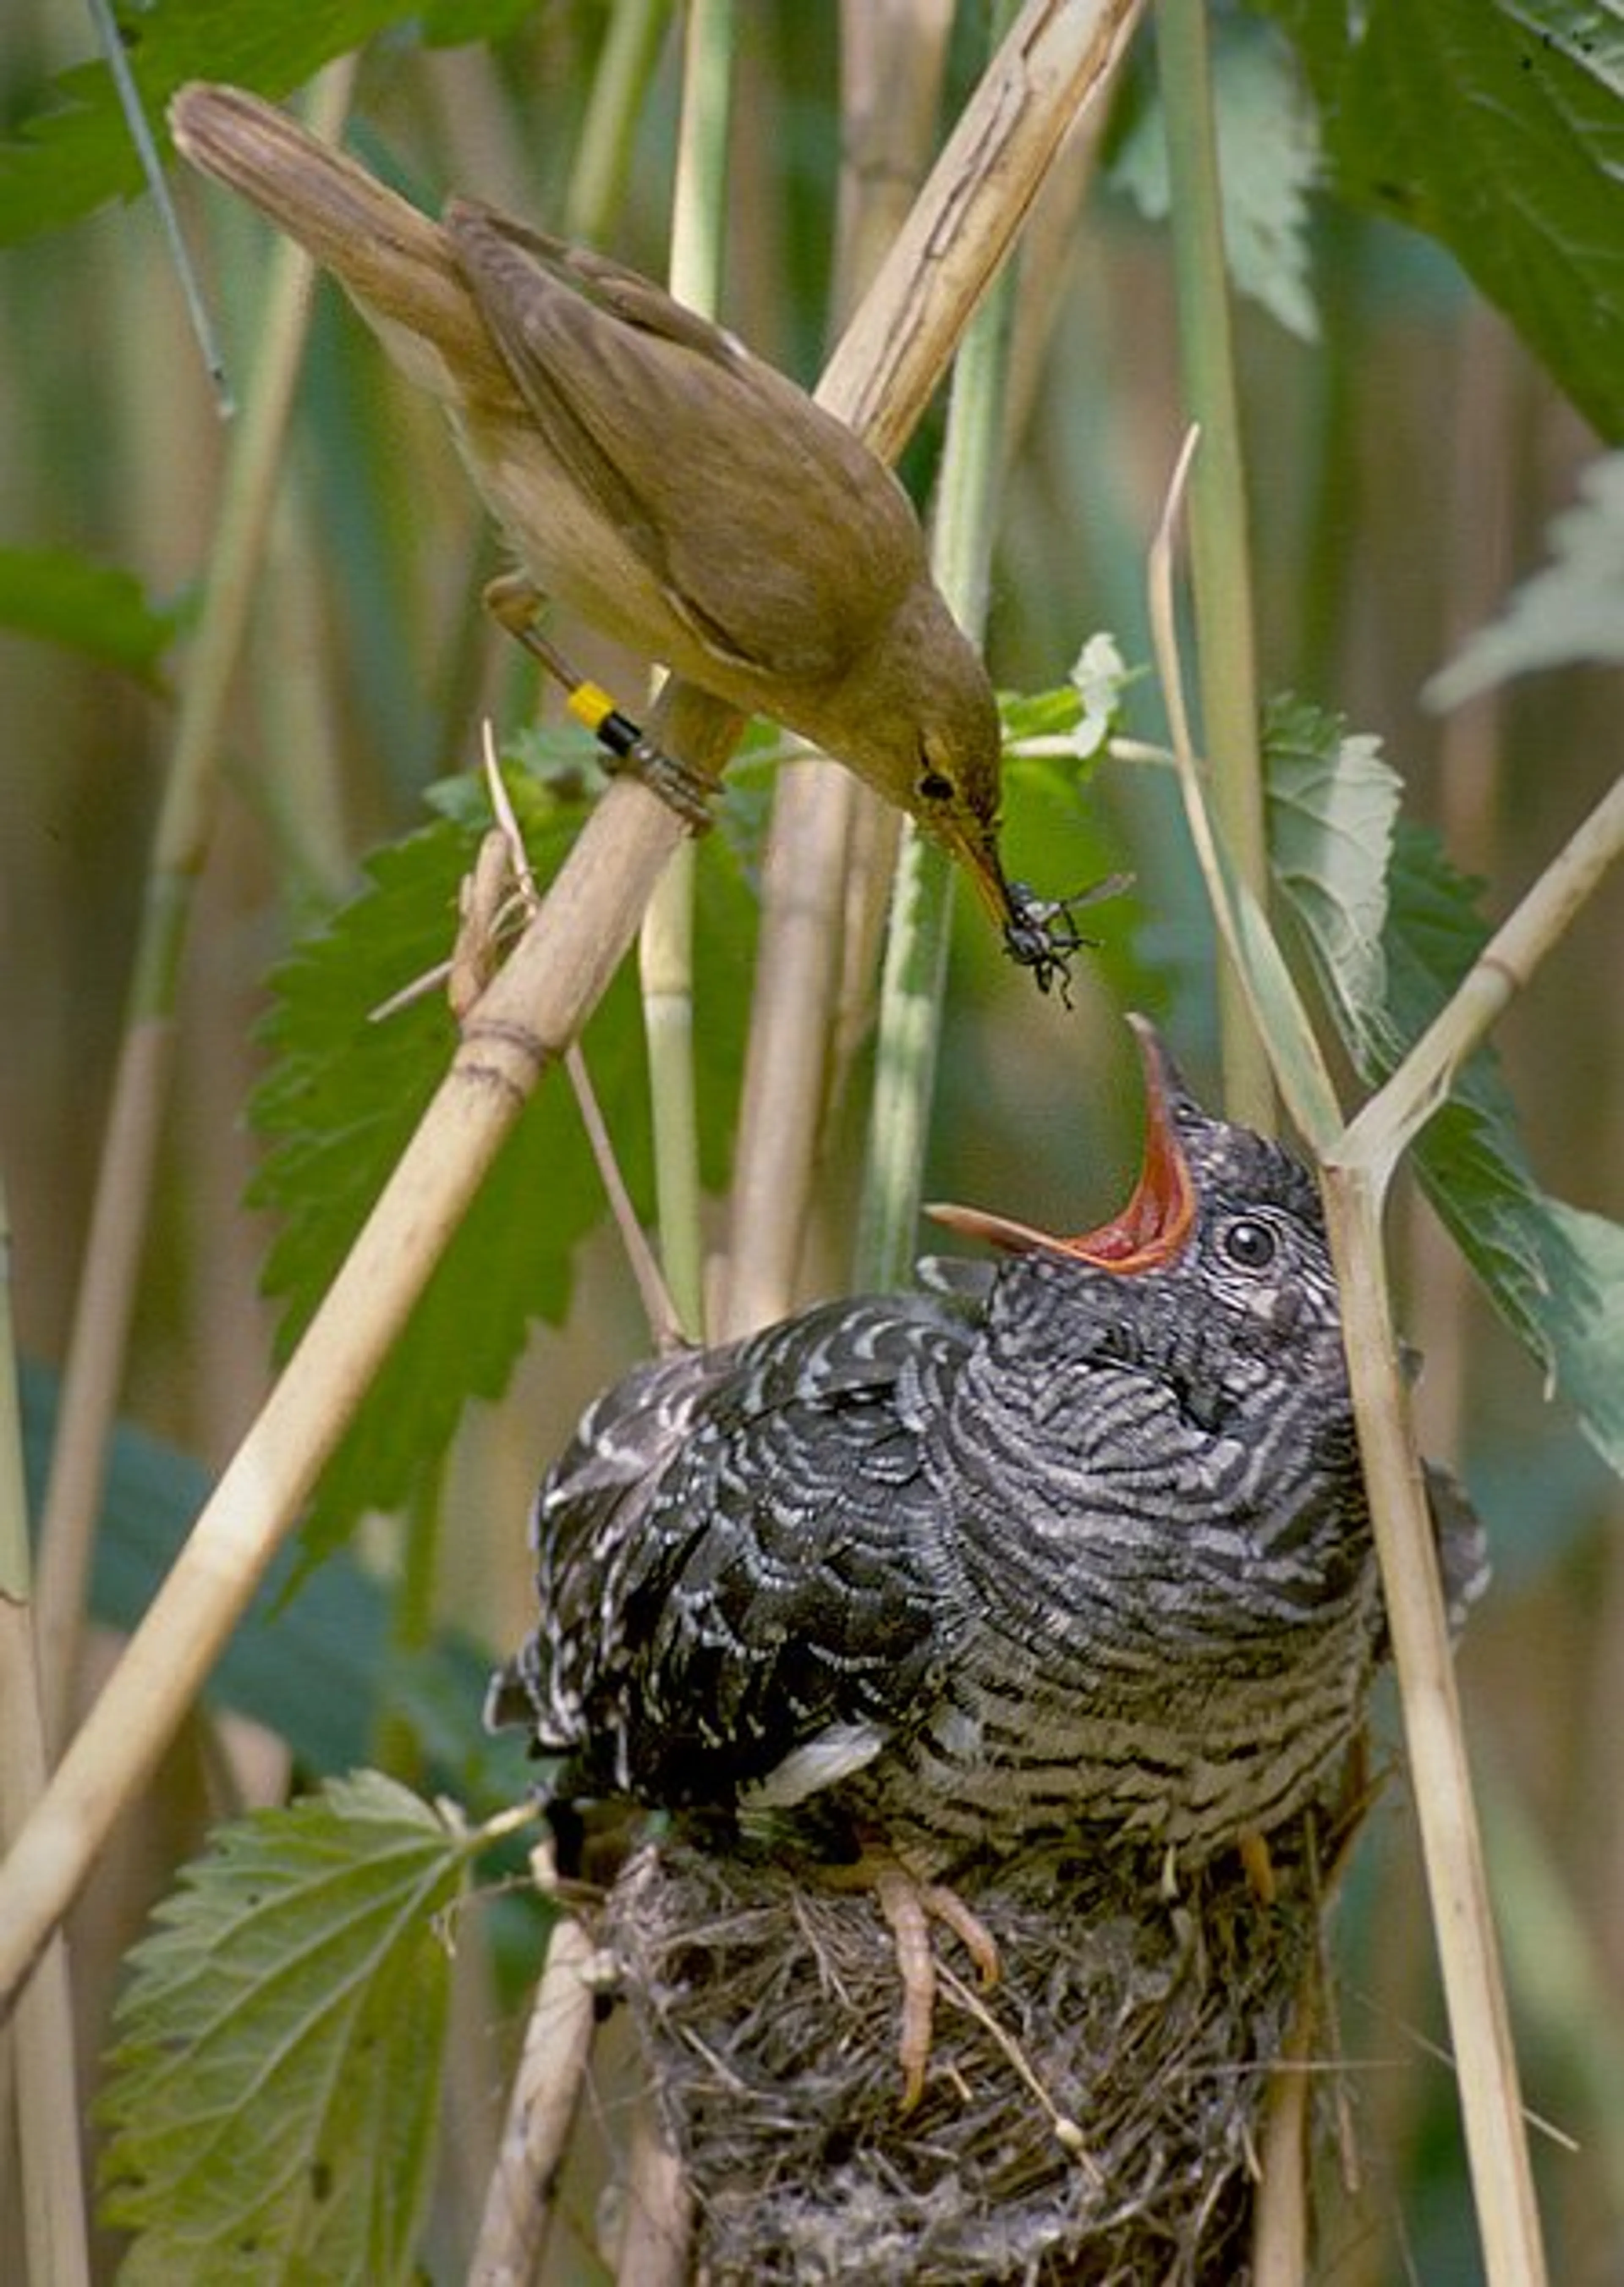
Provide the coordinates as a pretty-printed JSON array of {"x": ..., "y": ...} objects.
[
  {"x": 1584, "y": 1310},
  {"x": 1557, "y": 1276},
  {"x": 91, "y": 608},
  {"x": 1269, "y": 154},
  {"x": 347, "y": 1086},
  {"x": 1334, "y": 804},
  {"x": 1494, "y": 126},
  {"x": 73, "y": 157},
  {"x": 1571, "y": 610},
  {"x": 275, "y": 2088}
]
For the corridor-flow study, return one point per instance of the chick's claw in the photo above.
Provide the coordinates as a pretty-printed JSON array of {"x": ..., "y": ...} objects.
[{"x": 909, "y": 1907}]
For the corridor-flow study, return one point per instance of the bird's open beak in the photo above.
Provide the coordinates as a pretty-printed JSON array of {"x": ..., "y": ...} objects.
[{"x": 1151, "y": 1229}]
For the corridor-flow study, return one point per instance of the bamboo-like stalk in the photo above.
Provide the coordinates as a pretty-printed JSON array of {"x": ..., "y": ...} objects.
[
  {"x": 792, "y": 1011},
  {"x": 1220, "y": 551},
  {"x": 1280, "y": 2222},
  {"x": 812, "y": 932},
  {"x": 1051, "y": 62},
  {"x": 561, "y": 967},
  {"x": 915, "y": 974},
  {"x": 1480, "y": 2033},
  {"x": 630, "y": 50},
  {"x": 666, "y": 943},
  {"x": 653, "y": 2249},
  {"x": 37, "y": 2080},
  {"x": 541, "y": 2108},
  {"x": 106, "y": 1298},
  {"x": 888, "y": 361},
  {"x": 665, "y": 972}
]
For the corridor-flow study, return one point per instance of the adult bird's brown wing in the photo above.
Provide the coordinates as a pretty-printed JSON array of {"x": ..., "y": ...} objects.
[{"x": 784, "y": 560}]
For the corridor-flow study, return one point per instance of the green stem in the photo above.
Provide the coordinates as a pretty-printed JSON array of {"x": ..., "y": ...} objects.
[
  {"x": 1220, "y": 554},
  {"x": 913, "y": 986},
  {"x": 1277, "y": 1013},
  {"x": 912, "y": 993},
  {"x": 631, "y": 51},
  {"x": 666, "y": 946}
]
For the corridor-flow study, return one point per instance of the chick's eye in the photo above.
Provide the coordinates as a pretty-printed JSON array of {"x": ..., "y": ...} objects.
[{"x": 1249, "y": 1245}]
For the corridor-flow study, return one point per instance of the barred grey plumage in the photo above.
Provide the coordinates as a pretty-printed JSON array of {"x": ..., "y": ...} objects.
[{"x": 1088, "y": 1547}]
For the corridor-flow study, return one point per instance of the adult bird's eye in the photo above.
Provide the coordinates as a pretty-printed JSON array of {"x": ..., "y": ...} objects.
[
  {"x": 933, "y": 785},
  {"x": 1249, "y": 1245}
]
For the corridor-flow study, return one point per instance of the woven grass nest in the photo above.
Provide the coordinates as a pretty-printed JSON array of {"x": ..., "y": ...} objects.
[{"x": 1093, "y": 2117}]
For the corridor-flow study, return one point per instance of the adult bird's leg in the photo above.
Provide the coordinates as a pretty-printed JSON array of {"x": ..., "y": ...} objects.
[{"x": 514, "y": 602}]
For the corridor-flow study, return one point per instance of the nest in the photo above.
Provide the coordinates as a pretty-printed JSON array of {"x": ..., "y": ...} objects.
[{"x": 1093, "y": 2117}]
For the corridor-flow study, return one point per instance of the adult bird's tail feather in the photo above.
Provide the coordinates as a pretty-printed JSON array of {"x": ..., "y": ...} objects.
[{"x": 396, "y": 264}]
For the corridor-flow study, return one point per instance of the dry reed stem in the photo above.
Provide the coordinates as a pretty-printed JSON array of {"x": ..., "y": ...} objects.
[
  {"x": 1280, "y": 2228},
  {"x": 552, "y": 2067},
  {"x": 792, "y": 1015},
  {"x": 654, "y": 2242},
  {"x": 890, "y": 358},
  {"x": 1440, "y": 1777},
  {"x": 38, "y": 2095},
  {"x": 665, "y": 944},
  {"x": 893, "y": 58},
  {"x": 1054, "y": 60},
  {"x": 38, "y": 2083}
]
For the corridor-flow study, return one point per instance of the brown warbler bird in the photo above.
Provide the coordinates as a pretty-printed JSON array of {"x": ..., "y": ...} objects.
[{"x": 651, "y": 473}]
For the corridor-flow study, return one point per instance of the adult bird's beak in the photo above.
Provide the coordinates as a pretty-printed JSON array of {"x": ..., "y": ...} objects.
[
  {"x": 1150, "y": 1231},
  {"x": 976, "y": 852}
]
